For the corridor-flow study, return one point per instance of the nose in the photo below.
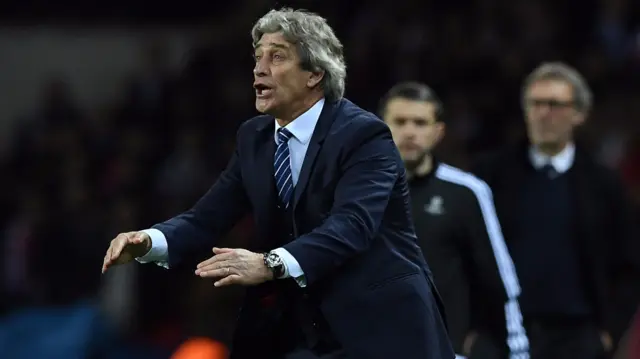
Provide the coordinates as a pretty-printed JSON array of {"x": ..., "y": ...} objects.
[
  {"x": 260, "y": 70},
  {"x": 409, "y": 132},
  {"x": 542, "y": 108},
  {"x": 543, "y": 114}
]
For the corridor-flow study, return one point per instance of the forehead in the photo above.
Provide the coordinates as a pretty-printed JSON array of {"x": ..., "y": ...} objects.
[
  {"x": 274, "y": 40},
  {"x": 554, "y": 88},
  {"x": 402, "y": 107}
]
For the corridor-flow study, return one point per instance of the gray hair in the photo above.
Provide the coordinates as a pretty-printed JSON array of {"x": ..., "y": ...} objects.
[
  {"x": 582, "y": 95},
  {"x": 318, "y": 47}
]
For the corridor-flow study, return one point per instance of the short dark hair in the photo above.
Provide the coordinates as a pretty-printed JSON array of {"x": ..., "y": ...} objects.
[{"x": 413, "y": 91}]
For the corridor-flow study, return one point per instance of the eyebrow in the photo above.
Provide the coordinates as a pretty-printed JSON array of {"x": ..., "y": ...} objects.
[{"x": 271, "y": 44}]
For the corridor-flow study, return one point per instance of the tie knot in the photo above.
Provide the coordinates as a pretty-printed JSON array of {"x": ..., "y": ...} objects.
[{"x": 284, "y": 135}]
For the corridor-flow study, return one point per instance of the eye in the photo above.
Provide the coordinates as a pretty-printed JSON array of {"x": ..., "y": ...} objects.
[
  {"x": 278, "y": 56},
  {"x": 420, "y": 122}
]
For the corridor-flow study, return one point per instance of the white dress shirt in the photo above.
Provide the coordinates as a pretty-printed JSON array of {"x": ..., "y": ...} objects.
[
  {"x": 302, "y": 129},
  {"x": 561, "y": 162}
]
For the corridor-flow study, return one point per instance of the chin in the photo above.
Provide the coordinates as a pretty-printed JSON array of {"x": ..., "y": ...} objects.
[
  {"x": 546, "y": 140},
  {"x": 410, "y": 161},
  {"x": 263, "y": 106},
  {"x": 410, "y": 156},
  {"x": 260, "y": 107}
]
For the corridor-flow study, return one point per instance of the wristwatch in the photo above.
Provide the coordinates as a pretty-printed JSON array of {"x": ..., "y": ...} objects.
[{"x": 273, "y": 261}]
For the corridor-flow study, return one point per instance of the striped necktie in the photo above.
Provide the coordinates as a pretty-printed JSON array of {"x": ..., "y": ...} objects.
[{"x": 282, "y": 167}]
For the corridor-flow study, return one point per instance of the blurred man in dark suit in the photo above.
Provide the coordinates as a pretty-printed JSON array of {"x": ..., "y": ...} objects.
[
  {"x": 567, "y": 223},
  {"x": 335, "y": 269}
]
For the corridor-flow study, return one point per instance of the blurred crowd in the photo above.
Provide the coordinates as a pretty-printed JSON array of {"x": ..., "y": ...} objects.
[{"x": 75, "y": 177}]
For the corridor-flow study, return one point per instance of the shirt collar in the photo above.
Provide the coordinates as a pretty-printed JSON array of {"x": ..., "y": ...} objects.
[
  {"x": 561, "y": 162},
  {"x": 302, "y": 127}
]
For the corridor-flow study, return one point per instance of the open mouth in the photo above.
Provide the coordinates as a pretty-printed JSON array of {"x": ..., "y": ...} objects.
[{"x": 262, "y": 90}]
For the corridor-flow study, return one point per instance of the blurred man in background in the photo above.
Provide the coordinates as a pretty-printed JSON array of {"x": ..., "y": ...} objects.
[
  {"x": 335, "y": 266},
  {"x": 567, "y": 224},
  {"x": 456, "y": 225}
]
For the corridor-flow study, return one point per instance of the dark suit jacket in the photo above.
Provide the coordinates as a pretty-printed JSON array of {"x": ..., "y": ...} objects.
[
  {"x": 604, "y": 226},
  {"x": 354, "y": 238}
]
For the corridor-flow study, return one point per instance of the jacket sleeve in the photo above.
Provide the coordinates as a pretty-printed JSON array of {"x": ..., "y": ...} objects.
[
  {"x": 493, "y": 266},
  {"x": 488, "y": 250},
  {"x": 369, "y": 174}
]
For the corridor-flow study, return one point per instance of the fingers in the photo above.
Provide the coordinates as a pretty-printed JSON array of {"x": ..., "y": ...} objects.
[
  {"x": 207, "y": 262},
  {"x": 223, "y": 256},
  {"x": 124, "y": 239},
  {"x": 607, "y": 342},
  {"x": 106, "y": 262},
  {"x": 217, "y": 273},
  {"x": 117, "y": 245},
  {"x": 231, "y": 266},
  {"x": 229, "y": 280},
  {"x": 219, "y": 265},
  {"x": 215, "y": 265},
  {"x": 222, "y": 250}
]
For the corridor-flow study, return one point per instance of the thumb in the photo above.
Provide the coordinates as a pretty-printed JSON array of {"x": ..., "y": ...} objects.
[{"x": 138, "y": 237}]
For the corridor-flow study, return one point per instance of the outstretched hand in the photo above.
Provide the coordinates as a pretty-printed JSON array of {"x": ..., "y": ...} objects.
[
  {"x": 125, "y": 248},
  {"x": 235, "y": 266}
]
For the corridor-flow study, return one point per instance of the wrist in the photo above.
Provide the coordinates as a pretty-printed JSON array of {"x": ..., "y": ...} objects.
[
  {"x": 147, "y": 244},
  {"x": 266, "y": 273},
  {"x": 143, "y": 248}
]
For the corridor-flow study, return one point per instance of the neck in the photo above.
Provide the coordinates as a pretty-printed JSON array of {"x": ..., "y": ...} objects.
[
  {"x": 298, "y": 109},
  {"x": 423, "y": 168},
  {"x": 552, "y": 149}
]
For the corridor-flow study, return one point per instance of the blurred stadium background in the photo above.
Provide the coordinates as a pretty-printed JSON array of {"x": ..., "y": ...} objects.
[{"x": 117, "y": 114}]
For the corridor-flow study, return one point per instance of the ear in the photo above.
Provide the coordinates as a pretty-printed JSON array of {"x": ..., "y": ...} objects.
[
  {"x": 579, "y": 118},
  {"x": 441, "y": 129},
  {"x": 314, "y": 78}
]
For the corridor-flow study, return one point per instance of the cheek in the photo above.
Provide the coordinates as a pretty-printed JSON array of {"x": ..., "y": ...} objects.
[
  {"x": 532, "y": 122},
  {"x": 398, "y": 136},
  {"x": 430, "y": 136},
  {"x": 293, "y": 83},
  {"x": 284, "y": 89}
]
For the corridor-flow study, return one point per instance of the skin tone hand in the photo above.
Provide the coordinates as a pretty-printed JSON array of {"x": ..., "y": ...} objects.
[
  {"x": 235, "y": 266},
  {"x": 125, "y": 248},
  {"x": 607, "y": 341},
  {"x": 469, "y": 340}
]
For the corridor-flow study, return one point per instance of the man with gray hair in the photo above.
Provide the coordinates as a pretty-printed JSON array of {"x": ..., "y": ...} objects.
[
  {"x": 567, "y": 223},
  {"x": 335, "y": 270}
]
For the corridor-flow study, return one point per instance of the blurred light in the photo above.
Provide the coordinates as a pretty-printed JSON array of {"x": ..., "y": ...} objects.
[{"x": 200, "y": 348}]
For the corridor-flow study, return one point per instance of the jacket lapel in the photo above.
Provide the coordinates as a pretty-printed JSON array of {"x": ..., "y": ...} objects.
[
  {"x": 264, "y": 152},
  {"x": 327, "y": 116}
]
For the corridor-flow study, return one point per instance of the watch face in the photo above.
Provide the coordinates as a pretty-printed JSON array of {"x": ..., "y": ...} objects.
[{"x": 274, "y": 260}]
